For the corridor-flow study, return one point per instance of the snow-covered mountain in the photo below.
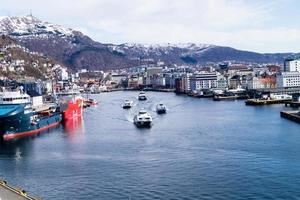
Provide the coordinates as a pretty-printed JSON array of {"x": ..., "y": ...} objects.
[
  {"x": 169, "y": 53},
  {"x": 77, "y": 50},
  {"x": 30, "y": 25},
  {"x": 66, "y": 45},
  {"x": 160, "y": 49}
]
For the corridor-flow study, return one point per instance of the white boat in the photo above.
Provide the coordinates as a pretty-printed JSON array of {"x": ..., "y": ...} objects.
[
  {"x": 142, "y": 96},
  {"x": 218, "y": 92},
  {"x": 161, "y": 108},
  {"x": 15, "y": 97},
  {"x": 281, "y": 97},
  {"x": 127, "y": 104},
  {"x": 142, "y": 119}
]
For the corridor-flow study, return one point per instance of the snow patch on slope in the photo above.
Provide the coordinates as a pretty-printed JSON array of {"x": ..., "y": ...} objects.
[{"x": 30, "y": 25}]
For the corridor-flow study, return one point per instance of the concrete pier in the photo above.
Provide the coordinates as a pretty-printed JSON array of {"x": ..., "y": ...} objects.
[
  {"x": 228, "y": 98},
  {"x": 12, "y": 193},
  {"x": 291, "y": 115},
  {"x": 293, "y": 104},
  {"x": 260, "y": 102}
]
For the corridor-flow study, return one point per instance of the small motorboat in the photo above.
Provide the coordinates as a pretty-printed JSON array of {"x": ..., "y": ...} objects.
[
  {"x": 161, "y": 108},
  {"x": 127, "y": 104},
  {"x": 142, "y": 96},
  {"x": 142, "y": 119},
  {"x": 89, "y": 102}
]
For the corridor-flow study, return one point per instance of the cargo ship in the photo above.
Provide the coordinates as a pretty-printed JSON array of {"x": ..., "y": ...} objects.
[
  {"x": 70, "y": 104},
  {"x": 22, "y": 115}
]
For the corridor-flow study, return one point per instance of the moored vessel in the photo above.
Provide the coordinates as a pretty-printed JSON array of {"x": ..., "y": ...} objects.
[
  {"x": 20, "y": 117},
  {"x": 89, "y": 102},
  {"x": 70, "y": 104}
]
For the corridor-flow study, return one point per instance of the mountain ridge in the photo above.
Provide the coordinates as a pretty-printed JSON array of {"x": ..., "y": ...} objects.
[{"x": 76, "y": 50}]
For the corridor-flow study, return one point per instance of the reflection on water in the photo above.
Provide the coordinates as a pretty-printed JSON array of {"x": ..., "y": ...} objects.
[
  {"x": 74, "y": 128},
  {"x": 21, "y": 147},
  {"x": 16, "y": 150}
]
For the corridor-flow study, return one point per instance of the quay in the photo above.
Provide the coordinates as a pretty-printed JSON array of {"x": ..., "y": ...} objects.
[
  {"x": 142, "y": 89},
  {"x": 200, "y": 95},
  {"x": 228, "y": 98},
  {"x": 159, "y": 89},
  {"x": 260, "y": 102},
  {"x": 12, "y": 193},
  {"x": 293, "y": 104},
  {"x": 291, "y": 115},
  {"x": 276, "y": 91}
]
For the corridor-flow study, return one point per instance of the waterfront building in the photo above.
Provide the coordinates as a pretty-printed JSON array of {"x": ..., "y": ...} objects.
[
  {"x": 150, "y": 71},
  {"x": 245, "y": 72},
  {"x": 156, "y": 80},
  {"x": 288, "y": 79},
  {"x": 239, "y": 70},
  {"x": 118, "y": 78},
  {"x": 178, "y": 85},
  {"x": 234, "y": 82},
  {"x": 244, "y": 81},
  {"x": 269, "y": 81},
  {"x": 222, "y": 83},
  {"x": 159, "y": 81},
  {"x": 292, "y": 65},
  {"x": 261, "y": 82},
  {"x": 169, "y": 80},
  {"x": 133, "y": 82},
  {"x": 273, "y": 69},
  {"x": 181, "y": 85},
  {"x": 259, "y": 70},
  {"x": 203, "y": 81},
  {"x": 187, "y": 81}
]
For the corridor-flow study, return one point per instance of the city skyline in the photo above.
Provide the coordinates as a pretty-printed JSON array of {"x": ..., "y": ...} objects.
[{"x": 267, "y": 26}]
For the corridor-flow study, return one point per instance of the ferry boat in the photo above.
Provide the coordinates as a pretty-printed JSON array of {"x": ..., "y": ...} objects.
[
  {"x": 142, "y": 119},
  {"x": 127, "y": 104},
  {"x": 70, "y": 104},
  {"x": 161, "y": 108},
  {"x": 20, "y": 118},
  {"x": 142, "y": 96}
]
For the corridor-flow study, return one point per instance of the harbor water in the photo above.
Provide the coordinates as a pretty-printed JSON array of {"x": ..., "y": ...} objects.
[{"x": 200, "y": 149}]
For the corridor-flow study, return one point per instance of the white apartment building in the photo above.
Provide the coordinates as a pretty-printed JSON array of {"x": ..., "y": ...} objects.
[
  {"x": 254, "y": 83},
  {"x": 222, "y": 83},
  {"x": 292, "y": 65},
  {"x": 203, "y": 81},
  {"x": 288, "y": 79}
]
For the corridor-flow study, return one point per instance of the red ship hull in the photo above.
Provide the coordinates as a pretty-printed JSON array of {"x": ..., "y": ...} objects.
[
  {"x": 74, "y": 109},
  {"x": 11, "y": 136}
]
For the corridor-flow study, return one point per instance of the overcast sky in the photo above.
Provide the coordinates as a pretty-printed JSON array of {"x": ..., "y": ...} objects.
[{"x": 263, "y": 26}]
